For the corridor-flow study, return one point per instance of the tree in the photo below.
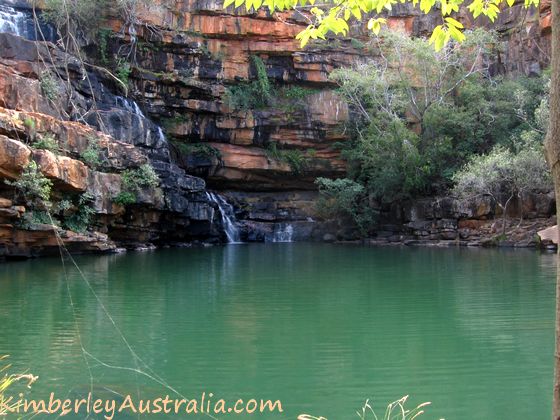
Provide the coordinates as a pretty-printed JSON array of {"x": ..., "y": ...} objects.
[
  {"x": 334, "y": 15},
  {"x": 503, "y": 175}
]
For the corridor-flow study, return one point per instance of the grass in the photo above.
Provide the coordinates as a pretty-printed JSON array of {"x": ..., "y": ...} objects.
[
  {"x": 7, "y": 381},
  {"x": 46, "y": 142},
  {"x": 394, "y": 411},
  {"x": 296, "y": 159}
]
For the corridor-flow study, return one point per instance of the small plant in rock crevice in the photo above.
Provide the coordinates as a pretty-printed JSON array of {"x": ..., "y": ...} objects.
[
  {"x": 92, "y": 155},
  {"x": 134, "y": 180},
  {"x": 123, "y": 71},
  {"x": 81, "y": 215},
  {"x": 33, "y": 186},
  {"x": 197, "y": 149},
  {"x": 49, "y": 86},
  {"x": 296, "y": 159},
  {"x": 46, "y": 142},
  {"x": 251, "y": 95}
]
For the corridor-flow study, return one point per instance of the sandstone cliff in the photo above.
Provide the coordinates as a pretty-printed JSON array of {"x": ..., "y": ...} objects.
[{"x": 187, "y": 56}]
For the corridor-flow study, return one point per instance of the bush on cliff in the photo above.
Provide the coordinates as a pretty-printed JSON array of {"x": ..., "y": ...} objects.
[
  {"x": 33, "y": 186},
  {"x": 251, "y": 95},
  {"x": 133, "y": 180},
  {"x": 78, "y": 214},
  {"x": 346, "y": 200},
  {"x": 92, "y": 156},
  {"x": 503, "y": 175},
  {"x": 419, "y": 116}
]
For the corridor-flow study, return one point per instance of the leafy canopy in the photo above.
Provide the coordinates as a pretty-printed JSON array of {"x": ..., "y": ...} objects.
[{"x": 334, "y": 15}]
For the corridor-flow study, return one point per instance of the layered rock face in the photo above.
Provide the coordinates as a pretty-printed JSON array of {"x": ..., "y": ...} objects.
[
  {"x": 448, "y": 222},
  {"x": 177, "y": 210},
  {"x": 193, "y": 52},
  {"x": 194, "y": 66},
  {"x": 197, "y": 51}
]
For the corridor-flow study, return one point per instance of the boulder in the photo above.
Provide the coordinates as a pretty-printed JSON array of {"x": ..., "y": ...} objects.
[
  {"x": 549, "y": 234},
  {"x": 67, "y": 174},
  {"x": 14, "y": 156}
]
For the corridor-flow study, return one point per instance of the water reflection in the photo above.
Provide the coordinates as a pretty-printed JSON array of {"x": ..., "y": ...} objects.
[{"x": 321, "y": 327}]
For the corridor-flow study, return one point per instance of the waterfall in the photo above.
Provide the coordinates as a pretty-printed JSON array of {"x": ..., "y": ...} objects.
[
  {"x": 130, "y": 106},
  {"x": 12, "y": 21},
  {"x": 283, "y": 232},
  {"x": 228, "y": 217},
  {"x": 20, "y": 22}
]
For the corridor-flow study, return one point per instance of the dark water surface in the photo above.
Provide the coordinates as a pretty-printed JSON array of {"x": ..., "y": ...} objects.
[{"x": 320, "y": 327}]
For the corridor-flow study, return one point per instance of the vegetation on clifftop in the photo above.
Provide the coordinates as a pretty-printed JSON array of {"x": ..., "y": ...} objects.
[{"x": 418, "y": 121}]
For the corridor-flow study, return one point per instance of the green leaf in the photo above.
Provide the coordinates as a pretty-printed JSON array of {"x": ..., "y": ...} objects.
[
  {"x": 454, "y": 23},
  {"x": 228, "y": 3},
  {"x": 456, "y": 34}
]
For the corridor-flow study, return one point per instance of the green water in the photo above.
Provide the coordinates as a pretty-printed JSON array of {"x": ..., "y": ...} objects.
[{"x": 319, "y": 327}]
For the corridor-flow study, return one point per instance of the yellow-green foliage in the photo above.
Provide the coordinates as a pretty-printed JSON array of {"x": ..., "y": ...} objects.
[
  {"x": 333, "y": 16},
  {"x": 7, "y": 381}
]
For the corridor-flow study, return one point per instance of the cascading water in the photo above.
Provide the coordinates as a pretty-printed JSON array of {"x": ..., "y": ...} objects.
[
  {"x": 12, "y": 21},
  {"x": 283, "y": 232},
  {"x": 130, "y": 106},
  {"x": 20, "y": 22},
  {"x": 228, "y": 217}
]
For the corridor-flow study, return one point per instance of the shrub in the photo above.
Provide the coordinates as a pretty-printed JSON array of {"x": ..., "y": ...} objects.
[
  {"x": 37, "y": 217},
  {"x": 251, "y": 95},
  {"x": 79, "y": 17},
  {"x": 104, "y": 35},
  {"x": 346, "y": 199},
  {"x": 297, "y": 92},
  {"x": 123, "y": 71},
  {"x": 198, "y": 149},
  {"x": 46, "y": 142},
  {"x": 33, "y": 186},
  {"x": 408, "y": 141},
  {"x": 92, "y": 155},
  {"x": 80, "y": 218},
  {"x": 296, "y": 159},
  {"x": 49, "y": 86},
  {"x": 504, "y": 175},
  {"x": 124, "y": 198},
  {"x": 29, "y": 123},
  {"x": 357, "y": 44},
  {"x": 144, "y": 176},
  {"x": 133, "y": 180}
]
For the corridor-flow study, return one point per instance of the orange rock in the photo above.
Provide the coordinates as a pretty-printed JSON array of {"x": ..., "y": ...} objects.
[
  {"x": 545, "y": 23},
  {"x": 67, "y": 173},
  {"x": 248, "y": 158},
  {"x": 14, "y": 156},
  {"x": 243, "y": 137},
  {"x": 401, "y": 24},
  {"x": 471, "y": 224}
]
